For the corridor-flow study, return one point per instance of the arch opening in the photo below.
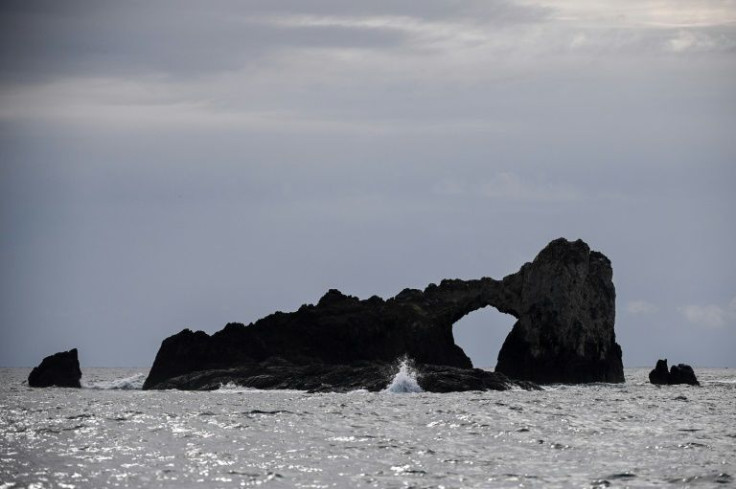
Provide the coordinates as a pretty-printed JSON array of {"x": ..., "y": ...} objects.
[{"x": 481, "y": 333}]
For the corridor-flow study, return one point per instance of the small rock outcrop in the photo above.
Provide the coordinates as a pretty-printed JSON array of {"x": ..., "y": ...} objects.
[
  {"x": 678, "y": 374},
  {"x": 58, "y": 370},
  {"x": 661, "y": 374},
  {"x": 564, "y": 301},
  {"x": 683, "y": 374}
]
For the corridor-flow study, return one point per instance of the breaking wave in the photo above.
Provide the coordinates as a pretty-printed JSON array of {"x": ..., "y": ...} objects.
[
  {"x": 232, "y": 388},
  {"x": 405, "y": 380},
  {"x": 134, "y": 382}
]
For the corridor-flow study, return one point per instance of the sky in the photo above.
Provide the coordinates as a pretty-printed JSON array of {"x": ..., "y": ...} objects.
[{"x": 182, "y": 164}]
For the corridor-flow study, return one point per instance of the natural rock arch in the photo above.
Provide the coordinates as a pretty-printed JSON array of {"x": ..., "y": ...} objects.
[
  {"x": 481, "y": 333},
  {"x": 564, "y": 302}
]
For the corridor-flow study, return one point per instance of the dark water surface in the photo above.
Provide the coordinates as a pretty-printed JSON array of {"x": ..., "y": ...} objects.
[{"x": 111, "y": 434}]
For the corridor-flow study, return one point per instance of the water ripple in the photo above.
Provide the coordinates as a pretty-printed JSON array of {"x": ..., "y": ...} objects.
[{"x": 581, "y": 436}]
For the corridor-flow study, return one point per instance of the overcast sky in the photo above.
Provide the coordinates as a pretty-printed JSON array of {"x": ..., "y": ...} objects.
[{"x": 184, "y": 164}]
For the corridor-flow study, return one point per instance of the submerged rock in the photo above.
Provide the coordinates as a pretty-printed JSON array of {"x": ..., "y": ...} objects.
[
  {"x": 564, "y": 301},
  {"x": 58, "y": 370},
  {"x": 440, "y": 378},
  {"x": 678, "y": 374}
]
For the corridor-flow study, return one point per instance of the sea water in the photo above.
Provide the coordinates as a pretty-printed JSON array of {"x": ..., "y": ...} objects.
[{"x": 112, "y": 434}]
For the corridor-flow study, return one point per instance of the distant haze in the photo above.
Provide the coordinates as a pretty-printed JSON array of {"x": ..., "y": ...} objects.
[{"x": 179, "y": 164}]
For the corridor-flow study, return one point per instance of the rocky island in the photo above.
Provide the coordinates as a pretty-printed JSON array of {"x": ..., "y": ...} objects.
[
  {"x": 678, "y": 374},
  {"x": 57, "y": 370},
  {"x": 564, "y": 302}
]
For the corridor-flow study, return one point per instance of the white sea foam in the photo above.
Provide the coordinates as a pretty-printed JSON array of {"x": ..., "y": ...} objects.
[
  {"x": 405, "y": 380},
  {"x": 233, "y": 388},
  {"x": 134, "y": 382},
  {"x": 359, "y": 391}
]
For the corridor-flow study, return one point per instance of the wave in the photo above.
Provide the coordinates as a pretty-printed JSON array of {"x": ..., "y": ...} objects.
[
  {"x": 134, "y": 382},
  {"x": 233, "y": 388},
  {"x": 230, "y": 386},
  {"x": 724, "y": 382},
  {"x": 405, "y": 380}
]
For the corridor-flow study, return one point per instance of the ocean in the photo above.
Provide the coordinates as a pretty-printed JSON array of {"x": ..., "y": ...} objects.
[{"x": 112, "y": 434}]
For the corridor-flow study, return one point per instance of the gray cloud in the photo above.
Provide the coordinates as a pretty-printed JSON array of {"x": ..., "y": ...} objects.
[
  {"x": 710, "y": 315},
  {"x": 42, "y": 40},
  {"x": 105, "y": 46},
  {"x": 48, "y": 39}
]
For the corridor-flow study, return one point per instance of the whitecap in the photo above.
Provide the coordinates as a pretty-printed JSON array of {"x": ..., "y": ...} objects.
[{"x": 134, "y": 382}]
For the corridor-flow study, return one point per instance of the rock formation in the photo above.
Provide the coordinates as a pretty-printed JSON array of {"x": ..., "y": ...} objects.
[
  {"x": 566, "y": 305},
  {"x": 683, "y": 374},
  {"x": 564, "y": 301},
  {"x": 58, "y": 370},
  {"x": 661, "y": 374},
  {"x": 678, "y": 374}
]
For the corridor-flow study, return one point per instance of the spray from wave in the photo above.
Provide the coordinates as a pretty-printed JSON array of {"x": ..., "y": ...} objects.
[
  {"x": 405, "y": 380},
  {"x": 134, "y": 382}
]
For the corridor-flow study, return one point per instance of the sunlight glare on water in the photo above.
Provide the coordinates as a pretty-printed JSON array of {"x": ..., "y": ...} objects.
[{"x": 600, "y": 435}]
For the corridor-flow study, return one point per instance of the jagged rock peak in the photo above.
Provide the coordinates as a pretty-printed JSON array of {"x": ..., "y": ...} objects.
[{"x": 335, "y": 297}]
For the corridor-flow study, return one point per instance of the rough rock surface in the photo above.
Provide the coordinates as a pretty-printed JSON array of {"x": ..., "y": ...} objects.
[
  {"x": 678, "y": 374},
  {"x": 566, "y": 305},
  {"x": 564, "y": 301},
  {"x": 58, "y": 370}
]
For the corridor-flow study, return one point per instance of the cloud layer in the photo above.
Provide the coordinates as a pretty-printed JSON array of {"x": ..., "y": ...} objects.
[{"x": 170, "y": 164}]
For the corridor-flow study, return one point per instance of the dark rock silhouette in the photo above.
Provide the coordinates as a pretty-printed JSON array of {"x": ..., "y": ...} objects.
[
  {"x": 564, "y": 300},
  {"x": 678, "y": 374},
  {"x": 683, "y": 374},
  {"x": 58, "y": 370},
  {"x": 660, "y": 375},
  {"x": 566, "y": 305}
]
